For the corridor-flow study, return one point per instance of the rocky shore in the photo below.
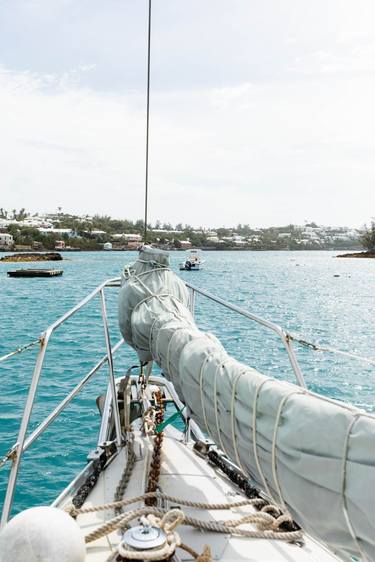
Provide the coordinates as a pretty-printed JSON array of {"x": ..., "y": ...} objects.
[
  {"x": 358, "y": 255},
  {"x": 29, "y": 257}
]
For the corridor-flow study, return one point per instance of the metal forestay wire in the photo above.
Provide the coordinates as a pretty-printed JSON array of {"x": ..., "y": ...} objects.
[
  {"x": 19, "y": 350},
  {"x": 147, "y": 117}
]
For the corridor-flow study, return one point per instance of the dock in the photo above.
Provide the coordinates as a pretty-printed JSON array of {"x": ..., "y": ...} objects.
[{"x": 35, "y": 273}]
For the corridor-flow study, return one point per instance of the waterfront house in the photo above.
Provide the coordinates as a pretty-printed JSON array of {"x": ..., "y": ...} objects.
[
  {"x": 185, "y": 244},
  {"x": 129, "y": 237},
  {"x": 6, "y": 241}
]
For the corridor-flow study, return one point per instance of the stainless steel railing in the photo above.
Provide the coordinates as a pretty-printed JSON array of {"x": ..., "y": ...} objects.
[
  {"x": 14, "y": 455},
  {"x": 283, "y": 335},
  {"x": 286, "y": 337}
]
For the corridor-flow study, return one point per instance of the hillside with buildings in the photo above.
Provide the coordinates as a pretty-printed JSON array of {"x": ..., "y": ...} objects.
[{"x": 61, "y": 231}]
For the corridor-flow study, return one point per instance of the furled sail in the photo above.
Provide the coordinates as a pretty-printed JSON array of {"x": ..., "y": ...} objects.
[{"x": 313, "y": 456}]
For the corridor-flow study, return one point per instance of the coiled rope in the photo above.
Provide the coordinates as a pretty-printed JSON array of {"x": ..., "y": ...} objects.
[
  {"x": 167, "y": 524},
  {"x": 268, "y": 527}
]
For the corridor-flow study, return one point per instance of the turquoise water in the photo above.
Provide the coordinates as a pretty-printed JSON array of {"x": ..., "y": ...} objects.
[{"x": 298, "y": 290}]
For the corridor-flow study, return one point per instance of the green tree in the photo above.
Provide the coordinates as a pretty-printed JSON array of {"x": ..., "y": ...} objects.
[
  {"x": 21, "y": 215},
  {"x": 368, "y": 237}
]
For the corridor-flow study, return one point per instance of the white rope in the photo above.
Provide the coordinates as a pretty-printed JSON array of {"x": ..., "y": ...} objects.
[
  {"x": 135, "y": 277},
  {"x": 202, "y": 370},
  {"x": 169, "y": 354},
  {"x": 167, "y": 524},
  {"x": 160, "y": 267},
  {"x": 273, "y": 450},
  {"x": 216, "y": 405},
  {"x": 256, "y": 502},
  {"x": 151, "y": 337},
  {"x": 176, "y": 331},
  {"x": 160, "y": 298},
  {"x": 267, "y": 526},
  {"x": 343, "y": 487},
  {"x": 255, "y": 447},
  {"x": 233, "y": 420},
  {"x": 157, "y": 357}
]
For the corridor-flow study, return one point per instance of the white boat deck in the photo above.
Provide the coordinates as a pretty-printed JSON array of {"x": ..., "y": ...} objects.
[{"x": 188, "y": 476}]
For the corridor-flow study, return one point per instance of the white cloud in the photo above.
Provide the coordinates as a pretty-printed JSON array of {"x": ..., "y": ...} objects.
[
  {"x": 263, "y": 154},
  {"x": 230, "y": 96},
  {"x": 62, "y": 144},
  {"x": 343, "y": 59}
]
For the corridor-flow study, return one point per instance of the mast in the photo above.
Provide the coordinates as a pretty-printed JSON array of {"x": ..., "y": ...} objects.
[{"x": 147, "y": 118}]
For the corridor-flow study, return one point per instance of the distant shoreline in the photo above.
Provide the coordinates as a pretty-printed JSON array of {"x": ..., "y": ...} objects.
[{"x": 356, "y": 254}]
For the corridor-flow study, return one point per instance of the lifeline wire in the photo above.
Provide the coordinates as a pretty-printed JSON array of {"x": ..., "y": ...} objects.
[
  {"x": 316, "y": 347},
  {"x": 19, "y": 350}
]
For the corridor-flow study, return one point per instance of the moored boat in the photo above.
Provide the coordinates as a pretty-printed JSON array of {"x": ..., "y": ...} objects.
[
  {"x": 193, "y": 262},
  {"x": 35, "y": 273}
]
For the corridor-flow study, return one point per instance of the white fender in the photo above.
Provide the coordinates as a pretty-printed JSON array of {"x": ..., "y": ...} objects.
[{"x": 42, "y": 534}]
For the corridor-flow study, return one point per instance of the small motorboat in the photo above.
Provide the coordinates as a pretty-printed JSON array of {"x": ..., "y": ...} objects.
[{"x": 193, "y": 262}]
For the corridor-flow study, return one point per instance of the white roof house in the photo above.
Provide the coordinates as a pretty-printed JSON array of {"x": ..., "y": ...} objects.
[
  {"x": 6, "y": 240},
  {"x": 131, "y": 237},
  {"x": 97, "y": 232},
  {"x": 36, "y": 222},
  {"x": 67, "y": 231}
]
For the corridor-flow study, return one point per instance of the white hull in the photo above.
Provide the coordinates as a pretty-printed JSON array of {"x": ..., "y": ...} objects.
[
  {"x": 193, "y": 267},
  {"x": 193, "y": 262}
]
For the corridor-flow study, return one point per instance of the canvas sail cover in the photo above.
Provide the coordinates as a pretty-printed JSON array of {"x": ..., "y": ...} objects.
[{"x": 315, "y": 457}]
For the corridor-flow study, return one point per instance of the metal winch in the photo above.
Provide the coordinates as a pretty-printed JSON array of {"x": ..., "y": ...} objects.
[{"x": 144, "y": 538}]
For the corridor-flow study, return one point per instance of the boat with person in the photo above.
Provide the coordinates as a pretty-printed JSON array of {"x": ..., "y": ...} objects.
[{"x": 193, "y": 261}]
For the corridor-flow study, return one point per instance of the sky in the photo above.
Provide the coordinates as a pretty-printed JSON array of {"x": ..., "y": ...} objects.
[{"x": 262, "y": 111}]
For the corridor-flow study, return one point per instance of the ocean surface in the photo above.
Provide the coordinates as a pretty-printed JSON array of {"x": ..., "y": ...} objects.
[{"x": 313, "y": 295}]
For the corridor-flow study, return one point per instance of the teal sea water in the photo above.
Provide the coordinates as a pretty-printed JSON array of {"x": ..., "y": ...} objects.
[{"x": 298, "y": 290}]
